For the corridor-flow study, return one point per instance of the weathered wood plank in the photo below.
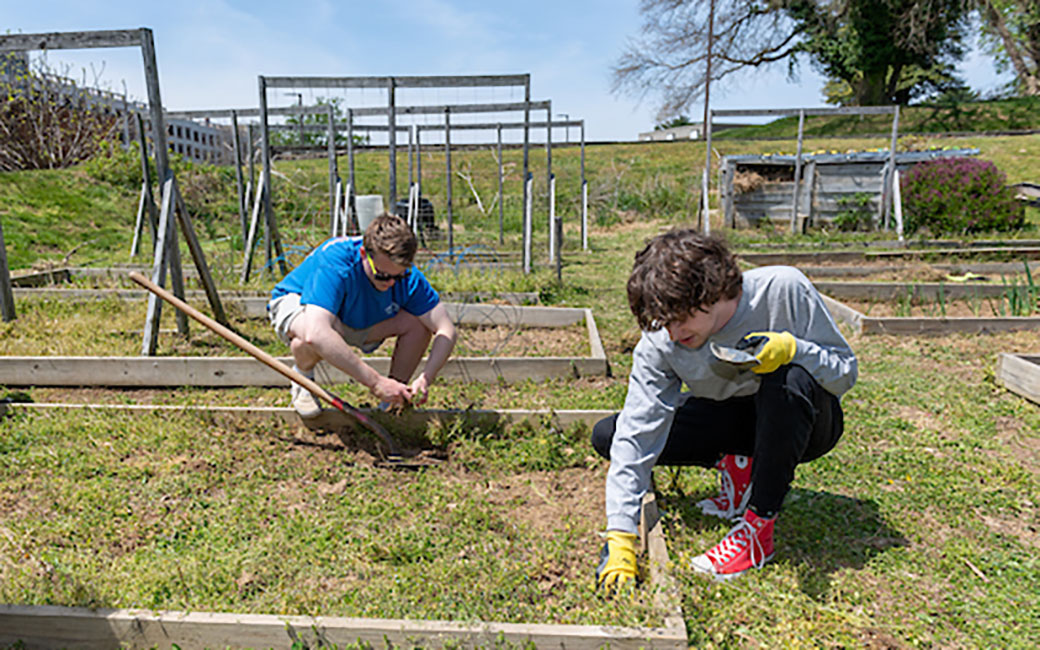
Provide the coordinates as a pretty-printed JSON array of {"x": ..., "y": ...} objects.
[
  {"x": 70, "y": 40},
  {"x": 430, "y": 81},
  {"x": 1020, "y": 252},
  {"x": 917, "y": 290},
  {"x": 666, "y": 595},
  {"x": 251, "y": 303},
  {"x": 942, "y": 326},
  {"x": 246, "y": 371},
  {"x": 1020, "y": 374},
  {"x": 812, "y": 257},
  {"x": 952, "y": 268},
  {"x": 52, "y": 627}
]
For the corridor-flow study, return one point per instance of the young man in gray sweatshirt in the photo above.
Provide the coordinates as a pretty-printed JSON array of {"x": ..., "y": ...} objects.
[{"x": 754, "y": 425}]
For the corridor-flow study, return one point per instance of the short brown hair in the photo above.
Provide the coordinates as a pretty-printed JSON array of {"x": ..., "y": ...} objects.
[
  {"x": 678, "y": 272},
  {"x": 390, "y": 235}
]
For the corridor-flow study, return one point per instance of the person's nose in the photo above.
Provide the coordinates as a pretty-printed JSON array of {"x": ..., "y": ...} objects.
[{"x": 673, "y": 332}]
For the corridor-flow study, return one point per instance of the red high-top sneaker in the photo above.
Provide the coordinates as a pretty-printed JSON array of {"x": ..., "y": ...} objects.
[
  {"x": 747, "y": 545},
  {"x": 735, "y": 488}
]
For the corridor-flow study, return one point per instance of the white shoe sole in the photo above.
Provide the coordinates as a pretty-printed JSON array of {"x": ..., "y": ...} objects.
[{"x": 701, "y": 564}]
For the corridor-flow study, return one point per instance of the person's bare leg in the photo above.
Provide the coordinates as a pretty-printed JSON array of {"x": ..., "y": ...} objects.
[{"x": 412, "y": 340}]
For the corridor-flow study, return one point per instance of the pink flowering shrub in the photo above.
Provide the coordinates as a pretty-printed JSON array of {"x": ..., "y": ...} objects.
[{"x": 958, "y": 195}]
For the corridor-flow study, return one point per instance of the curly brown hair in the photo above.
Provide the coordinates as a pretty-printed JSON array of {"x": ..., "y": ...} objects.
[
  {"x": 390, "y": 235},
  {"x": 677, "y": 272}
]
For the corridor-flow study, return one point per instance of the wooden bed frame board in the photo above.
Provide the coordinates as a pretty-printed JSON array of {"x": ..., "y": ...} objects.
[
  {"x": 919, "y": 290},
  {"x": 1020, "y": 374},
  {"x": 250, "y": 302},
  {"x": 953, "y": 268},
  {"x": 246, "y": 371},
  {"x": 923, "y": 326},
  {"x": 48, "y": 626},
  {"x": 330, "y": 418},
  {"x": 815, "y": 257}
]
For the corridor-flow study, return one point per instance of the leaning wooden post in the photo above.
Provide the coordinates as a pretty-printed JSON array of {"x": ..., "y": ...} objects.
[
  {"x": 265, "y": 152},
  {"x": 164, "y": 174},
  {"x": 151, "y": 321},
  {"x": 6, "y": 291},
  {"x": 243, "y": 201},
  {"x": 200, "y": 259},
  {"x": 147, "y": 202},
  {"x": 797, "y": 172},
  {"x": 247, "y": 262},
  {"x": 250, "y": 156}
]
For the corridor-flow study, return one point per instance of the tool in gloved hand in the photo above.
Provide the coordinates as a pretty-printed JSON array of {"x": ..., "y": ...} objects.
[
  {"x": 617, "y": 562},
  {"x": 733, "y": 356},
  {"x": 772, "y": 349},
  {"x": 270, "y": 362}
]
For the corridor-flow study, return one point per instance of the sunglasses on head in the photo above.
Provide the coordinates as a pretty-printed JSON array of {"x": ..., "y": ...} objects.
[{"x": 385, "y": 277}]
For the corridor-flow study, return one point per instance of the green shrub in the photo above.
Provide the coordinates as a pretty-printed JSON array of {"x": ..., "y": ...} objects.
[
  {"x": 855, "y": 213},
  {"x": 116, "y": 166},
  {"x": 959, "y": 195}
]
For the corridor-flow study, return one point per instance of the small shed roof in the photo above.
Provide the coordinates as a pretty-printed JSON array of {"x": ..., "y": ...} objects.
[{"x": 834, "y": 157}]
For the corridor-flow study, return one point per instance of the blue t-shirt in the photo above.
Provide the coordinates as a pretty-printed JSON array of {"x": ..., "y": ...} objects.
[{"x": 332, "y": 277}]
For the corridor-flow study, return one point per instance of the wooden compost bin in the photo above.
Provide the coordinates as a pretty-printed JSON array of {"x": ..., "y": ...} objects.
[{"x": 826, "y": 178}]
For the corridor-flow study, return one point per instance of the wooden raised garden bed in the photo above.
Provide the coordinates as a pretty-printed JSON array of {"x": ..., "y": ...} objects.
[
  {"x": 304, "y": 479},
  {"x": 1020, "y": 374},
  {"x": 245, "y": 371}
]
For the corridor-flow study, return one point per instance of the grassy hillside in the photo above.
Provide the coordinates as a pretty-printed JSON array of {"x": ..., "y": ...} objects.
[
  {"x": 1019, "y": 114},
  {"x": 71, "y": 217}
]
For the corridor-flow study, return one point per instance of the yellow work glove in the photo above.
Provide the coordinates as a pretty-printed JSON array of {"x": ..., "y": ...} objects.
[
  {"x": 617, "y": 562},
  {"x": 772, "y": 349}
]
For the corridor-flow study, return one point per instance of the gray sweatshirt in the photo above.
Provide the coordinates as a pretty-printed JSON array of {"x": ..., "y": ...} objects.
[{"x": 774, "y": 298}]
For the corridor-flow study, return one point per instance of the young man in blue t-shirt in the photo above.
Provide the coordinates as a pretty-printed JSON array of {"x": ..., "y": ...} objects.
[{"x": 358, "y": 291}]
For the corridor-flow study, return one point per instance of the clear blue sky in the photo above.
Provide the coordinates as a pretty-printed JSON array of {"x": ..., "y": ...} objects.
[{"x": 211, "y": 51}]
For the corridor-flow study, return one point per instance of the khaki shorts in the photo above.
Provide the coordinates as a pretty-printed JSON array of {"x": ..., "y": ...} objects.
[{"x": 283, "y": 310}]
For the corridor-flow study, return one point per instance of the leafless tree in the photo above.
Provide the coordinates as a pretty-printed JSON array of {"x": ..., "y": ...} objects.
[
  {"x": 669, "y": 56},
  {"x": 48, "y": 121}
]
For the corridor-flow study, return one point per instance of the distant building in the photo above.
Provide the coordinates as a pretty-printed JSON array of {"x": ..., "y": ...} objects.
[{"x": 684, "y": 132}]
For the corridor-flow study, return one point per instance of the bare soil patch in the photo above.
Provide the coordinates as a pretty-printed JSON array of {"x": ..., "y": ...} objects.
[{"x": 971, "y": 308}]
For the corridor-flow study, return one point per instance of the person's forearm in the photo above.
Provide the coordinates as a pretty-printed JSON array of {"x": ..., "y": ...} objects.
[{"x": 440, "y": 350}]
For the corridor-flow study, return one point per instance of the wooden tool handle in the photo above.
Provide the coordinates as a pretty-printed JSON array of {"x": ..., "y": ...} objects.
[
  {"x": 268, "y": 360},
  {"x": 244, "y": 345}
]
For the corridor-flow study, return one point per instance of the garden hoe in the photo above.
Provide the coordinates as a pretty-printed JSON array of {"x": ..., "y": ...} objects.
[{"x": 274, "y": 364}]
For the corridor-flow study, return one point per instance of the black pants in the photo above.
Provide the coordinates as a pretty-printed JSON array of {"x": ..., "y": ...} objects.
[{"x": 790, "y": 420}]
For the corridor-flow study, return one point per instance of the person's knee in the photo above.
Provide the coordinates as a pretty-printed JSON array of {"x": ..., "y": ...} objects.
[
  {"x": 603, "y": 435},
  {"x": 409, "y": 326},
  {"x": 791, "y": 379}
]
